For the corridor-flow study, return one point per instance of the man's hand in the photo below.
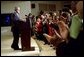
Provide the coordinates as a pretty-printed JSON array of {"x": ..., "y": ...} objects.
[{"x": 24, "y": 20}]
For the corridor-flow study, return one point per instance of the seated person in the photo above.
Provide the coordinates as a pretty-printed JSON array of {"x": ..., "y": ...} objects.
[
  {"x": 59, "y": 34},
  {"x": 38, "y": 27}
]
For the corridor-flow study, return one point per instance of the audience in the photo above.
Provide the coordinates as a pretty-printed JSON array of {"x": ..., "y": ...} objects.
[{"x": 59, "y": 30}]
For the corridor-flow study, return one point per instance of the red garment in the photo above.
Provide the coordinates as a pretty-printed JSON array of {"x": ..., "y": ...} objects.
[
  {"x": 50, "y": 30},
  {"x": 39, "y": 27}
]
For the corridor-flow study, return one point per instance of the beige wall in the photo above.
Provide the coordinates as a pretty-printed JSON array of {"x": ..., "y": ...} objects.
[
  {"x": 8, "y": 7},
  {"x": 35, "y": 11}
]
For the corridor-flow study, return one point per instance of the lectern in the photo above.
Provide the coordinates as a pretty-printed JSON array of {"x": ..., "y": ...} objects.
[{"x": 26, "y": 36}]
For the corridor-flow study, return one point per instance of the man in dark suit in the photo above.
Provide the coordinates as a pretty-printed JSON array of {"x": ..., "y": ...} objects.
[{"x": 15, "y": 28}]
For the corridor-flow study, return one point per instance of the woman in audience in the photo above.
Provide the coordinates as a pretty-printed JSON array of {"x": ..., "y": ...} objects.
[
  {"x": 64, "y": 17},
  {"x": 58, "y": 32},
  {"x": 38, "y": 27},
  {"x": 39, "y": 30}
]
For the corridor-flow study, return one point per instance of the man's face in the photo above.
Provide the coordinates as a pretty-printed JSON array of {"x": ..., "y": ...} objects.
[{"x": 18, "y": 10}]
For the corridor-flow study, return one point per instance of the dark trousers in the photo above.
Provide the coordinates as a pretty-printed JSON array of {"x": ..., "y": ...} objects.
[
  {"x": 15, "y": 38},
  {"x": 73, "y": 48}
]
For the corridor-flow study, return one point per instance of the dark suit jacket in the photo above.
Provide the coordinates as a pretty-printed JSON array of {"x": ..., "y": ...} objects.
[{"x": 15, "y": 22}]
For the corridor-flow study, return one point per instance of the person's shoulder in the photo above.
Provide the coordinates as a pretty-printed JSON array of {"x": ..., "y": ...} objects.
[
  {"x": 14, "y": 12},
  {"x": 75, "y": 17}
]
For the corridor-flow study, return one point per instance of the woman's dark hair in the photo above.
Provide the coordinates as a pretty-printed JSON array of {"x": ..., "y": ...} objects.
[
  {"x": 41, "y": 12},
  {"x": 29, "y": 14},
  {"x": 55, "y": 26},
  {"x": 64, "y": 14},
  {"x": 60, "y": 11},
  {"x": 65, "y": 9},
  {"x": 51, "y": 14},
  {"x": 38, "y": 17}
]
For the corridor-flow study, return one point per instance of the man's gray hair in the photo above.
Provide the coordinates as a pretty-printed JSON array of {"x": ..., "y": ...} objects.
[{"x": 16, "y": 8}]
